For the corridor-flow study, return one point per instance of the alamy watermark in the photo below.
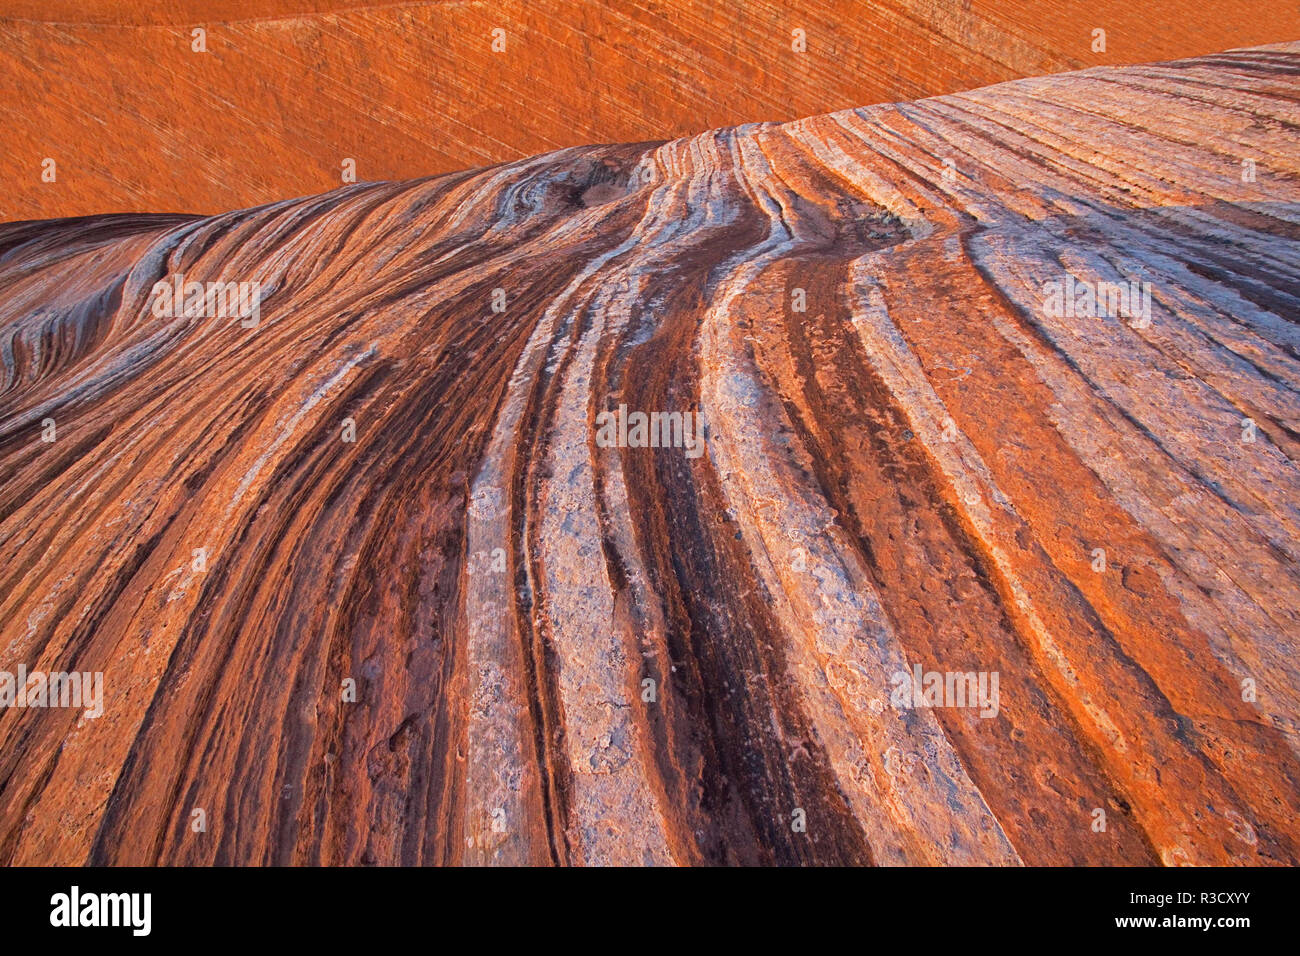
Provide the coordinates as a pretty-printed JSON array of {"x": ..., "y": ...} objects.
[
  {"x": 54, "y": 689},
  {"x": 624, "y": 429},
  {"x": 130, "y": 910},
  {"x": 1072, "y": 298},
  {"x": 212, "y": 300},
  {"x": 946, "y": 689}
]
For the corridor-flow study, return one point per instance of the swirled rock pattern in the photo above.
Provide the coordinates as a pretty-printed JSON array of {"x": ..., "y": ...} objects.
[{"x": 373, "y": 579}]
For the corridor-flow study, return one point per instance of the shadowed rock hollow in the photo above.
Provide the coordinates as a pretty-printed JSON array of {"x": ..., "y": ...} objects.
[{"x": 571, "y": 651}]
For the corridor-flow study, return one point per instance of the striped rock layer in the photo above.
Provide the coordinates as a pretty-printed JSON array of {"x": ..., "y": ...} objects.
[{"x": 567, "y": 651}]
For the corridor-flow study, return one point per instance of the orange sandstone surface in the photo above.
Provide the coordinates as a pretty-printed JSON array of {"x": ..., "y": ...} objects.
[
  {"x": 286, "y": 90},
  {"x": 1002, "y": 383}
]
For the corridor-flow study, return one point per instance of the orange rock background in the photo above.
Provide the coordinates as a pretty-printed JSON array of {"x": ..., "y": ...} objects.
[{"x": 138, "y": 122}]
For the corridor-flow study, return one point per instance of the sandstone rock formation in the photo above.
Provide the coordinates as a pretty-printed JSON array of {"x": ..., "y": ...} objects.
[
  {"x": 917, "y": 457},
  {"x": 284, "y": 91}
]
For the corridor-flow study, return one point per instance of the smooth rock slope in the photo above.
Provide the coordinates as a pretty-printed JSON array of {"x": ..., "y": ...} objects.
[{"x": 567, "y": 650}]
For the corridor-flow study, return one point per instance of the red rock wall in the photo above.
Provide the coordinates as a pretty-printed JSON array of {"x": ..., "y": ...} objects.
[{"x": 138, "y": 122}]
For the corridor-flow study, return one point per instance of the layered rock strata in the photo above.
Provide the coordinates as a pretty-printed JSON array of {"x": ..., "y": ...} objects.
[{"x": 385, "y": 570}]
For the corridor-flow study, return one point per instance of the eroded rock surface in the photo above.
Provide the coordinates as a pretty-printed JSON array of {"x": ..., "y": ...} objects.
[{"x": 567, "y": 650}]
